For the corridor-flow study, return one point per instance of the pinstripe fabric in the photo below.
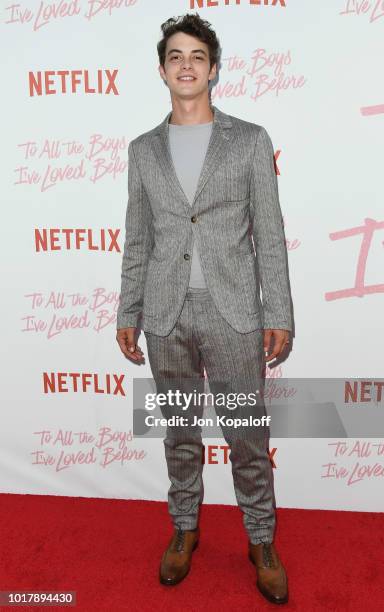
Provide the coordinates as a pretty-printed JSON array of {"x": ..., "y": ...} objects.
[
  {"x": 202, "y": 338},
  {"x": 237, "y": 223}
]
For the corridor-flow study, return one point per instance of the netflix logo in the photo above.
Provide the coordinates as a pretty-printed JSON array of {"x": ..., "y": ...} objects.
[
  {"x": 213, "y": 455},
  {"x": 363, "y": 391},
  {"x": 211, "y": 3},
  {"x": 51, "y": 82},
  {"x": 80, "y": 382},
  {"x": 67, "y": 239}
]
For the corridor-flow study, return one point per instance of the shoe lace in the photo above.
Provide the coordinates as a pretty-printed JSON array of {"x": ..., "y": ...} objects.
[
  {"x": 179, "y": 543},
  {"x": 267, "y": 555}
]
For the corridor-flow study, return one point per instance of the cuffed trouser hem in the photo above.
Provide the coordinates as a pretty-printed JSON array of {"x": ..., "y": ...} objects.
[
  {"x": 261, "y": 537},
  {"x": 185, "y": 526}
]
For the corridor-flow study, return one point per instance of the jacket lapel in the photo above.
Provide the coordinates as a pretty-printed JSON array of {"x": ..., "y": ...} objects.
[{"x": 217, "y": 148}]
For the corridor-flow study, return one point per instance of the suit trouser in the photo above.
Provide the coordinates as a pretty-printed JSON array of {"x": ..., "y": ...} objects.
[{"x": 202, "y": 338}]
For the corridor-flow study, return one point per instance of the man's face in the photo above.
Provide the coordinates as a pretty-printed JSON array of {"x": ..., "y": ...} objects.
[{"x": 186, "y": 56}]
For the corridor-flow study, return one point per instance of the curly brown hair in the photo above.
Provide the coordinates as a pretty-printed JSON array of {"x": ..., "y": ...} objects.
[{"x": 193, "y": 25}]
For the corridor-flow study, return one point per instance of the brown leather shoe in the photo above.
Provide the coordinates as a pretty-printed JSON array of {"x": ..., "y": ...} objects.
[
  {"x": 271, "y": 575},
  {"x": 176, "y": 560}
]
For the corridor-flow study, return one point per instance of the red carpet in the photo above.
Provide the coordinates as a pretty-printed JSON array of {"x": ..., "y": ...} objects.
[{"x": 109, "y": 551}]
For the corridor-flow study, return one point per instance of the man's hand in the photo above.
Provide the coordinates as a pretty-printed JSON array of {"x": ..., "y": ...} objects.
[
  {"x": 126, "y": 341},
  {"x": 280, "y": 340}
]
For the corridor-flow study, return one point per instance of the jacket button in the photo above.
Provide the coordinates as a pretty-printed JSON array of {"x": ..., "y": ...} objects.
[
  {"x": 186, "y": 256},
  {"x": 194, "y": 219}
]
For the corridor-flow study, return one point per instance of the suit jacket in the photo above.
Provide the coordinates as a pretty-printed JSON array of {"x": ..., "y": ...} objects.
[{"x": 236, "y": 200}]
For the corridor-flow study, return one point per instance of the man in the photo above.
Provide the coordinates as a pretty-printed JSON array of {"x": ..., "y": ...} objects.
[{"x": 202, "y": 187}]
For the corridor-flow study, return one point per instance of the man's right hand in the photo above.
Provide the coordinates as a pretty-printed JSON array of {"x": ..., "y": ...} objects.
[{"x": 127, "y": 343}]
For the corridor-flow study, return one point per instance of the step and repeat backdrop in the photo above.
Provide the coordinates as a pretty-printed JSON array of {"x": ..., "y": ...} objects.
[{"x": 80, "y": 80}]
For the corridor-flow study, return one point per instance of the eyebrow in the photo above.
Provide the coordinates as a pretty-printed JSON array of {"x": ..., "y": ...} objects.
[{"x": 193, "y": 51}]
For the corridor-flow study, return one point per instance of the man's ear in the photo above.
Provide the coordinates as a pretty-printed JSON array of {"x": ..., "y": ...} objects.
[
  {"x": 212, "y": 72},
  {"x": 162, "y": 72}
]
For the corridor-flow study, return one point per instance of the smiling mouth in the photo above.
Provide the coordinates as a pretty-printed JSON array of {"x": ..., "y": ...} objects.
[{"x": 186, "y": 79}]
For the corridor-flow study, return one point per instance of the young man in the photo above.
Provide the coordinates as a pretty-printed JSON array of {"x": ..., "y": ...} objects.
[{"x": 203, "y": 199}]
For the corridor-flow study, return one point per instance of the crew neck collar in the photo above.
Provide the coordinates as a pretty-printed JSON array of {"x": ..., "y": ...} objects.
[{"x": 188, "y": 125}]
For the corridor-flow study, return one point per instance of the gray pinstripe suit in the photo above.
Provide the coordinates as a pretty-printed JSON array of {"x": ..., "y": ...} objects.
[{"x": 236, "y": 219}]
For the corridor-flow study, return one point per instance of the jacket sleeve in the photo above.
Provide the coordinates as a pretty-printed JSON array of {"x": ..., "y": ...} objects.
[
  {"x": 137, "y": 247},
  {"x": 268, "y": 236}
]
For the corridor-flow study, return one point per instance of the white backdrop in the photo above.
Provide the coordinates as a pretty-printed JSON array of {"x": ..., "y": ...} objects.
[{"x": 311, "y": 74}]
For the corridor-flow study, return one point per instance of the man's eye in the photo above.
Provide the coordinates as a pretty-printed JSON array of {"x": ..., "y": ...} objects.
[{"x": 176, "y": 57}]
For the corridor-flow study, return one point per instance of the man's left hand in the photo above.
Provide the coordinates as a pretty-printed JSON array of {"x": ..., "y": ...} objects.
[{"x": 280, "y": 340}]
